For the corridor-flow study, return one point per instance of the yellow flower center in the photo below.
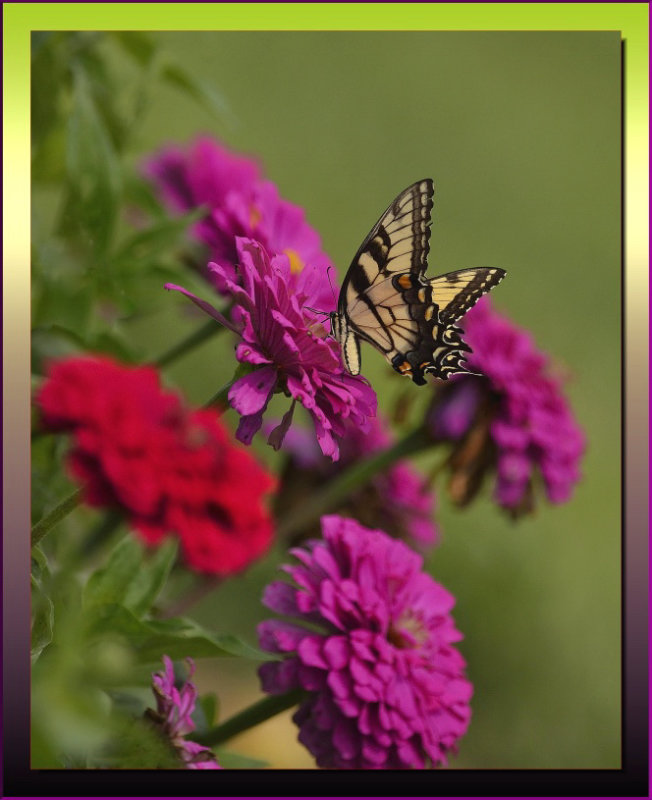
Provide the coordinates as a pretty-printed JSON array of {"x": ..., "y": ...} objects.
[
  {"x": 408, "y": 632},
  {"x": 254, "y": 216},
  {"x": 296, "y": 264}
]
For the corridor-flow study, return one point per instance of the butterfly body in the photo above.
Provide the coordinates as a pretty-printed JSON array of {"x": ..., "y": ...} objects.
[{"x": 387, "y": 300}]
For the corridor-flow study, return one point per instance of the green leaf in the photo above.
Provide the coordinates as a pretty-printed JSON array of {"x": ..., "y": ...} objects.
[
  {"x": 94, "y": 178},
  {"x": 56, "y": 341},
  {"x": 178, "y": 638},
  {"x": 137, "y": 44},
  {"x": 144, "y": 246},
  {"x": 61, "y": 295},
  {"x": 153, "y": 573},
  {"x": 229, "y": 760},
  {"x": 49, "y": 81},
  {"x": 42, "y": 747},
  {"x": 49, "y": 481},
  {"x": 40, "y": 566},
  {"x": 42, "y": 619},
  {"x": 205, "y": 713},
  {"x": 141, "y": 194},
  {"x": 104, "y": 90},
  {"x": 115, "y": 343},
  {"x": 110, "y": 585},
  {"x": 204, "y": 93},
  {"x": 130, "y": 703},
  {"x": 49, "y": 157}
]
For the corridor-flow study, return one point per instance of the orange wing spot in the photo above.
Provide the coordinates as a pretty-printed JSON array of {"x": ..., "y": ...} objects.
[
  {"x": 424, "y": 364},
  {"x": 404, "y": 367},
  {"x": 405, "y": 281}
]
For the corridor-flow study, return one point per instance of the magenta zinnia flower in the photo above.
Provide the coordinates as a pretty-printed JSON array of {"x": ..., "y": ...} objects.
[
  {"x": 239, "y": 203},
  {"x": 513, "y": 418},
  {"x": 385, "y": 687},
  {"x": 174, "y": 708},
  {"x": 398, "y": 499},
  {"x": 288, "y": 349}
]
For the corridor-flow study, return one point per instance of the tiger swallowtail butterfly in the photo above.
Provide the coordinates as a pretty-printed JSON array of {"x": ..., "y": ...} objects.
[{"x": 387, "y": 300}]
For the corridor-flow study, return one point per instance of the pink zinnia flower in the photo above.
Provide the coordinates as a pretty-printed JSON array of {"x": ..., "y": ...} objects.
[
  {"x": 513, "y": 418},
  {"x": 289, "y": 350},
  {"x": 372, "y": 649},
  {"x": 170, "y": 469},
  {"x": 239, "y": 203},
  {"x": 174, "y": 708},
  {"x": 397, "y": 499}
]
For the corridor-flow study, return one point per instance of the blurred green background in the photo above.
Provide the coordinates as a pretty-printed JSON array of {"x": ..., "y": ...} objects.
[{"x": 521, "y": 133}]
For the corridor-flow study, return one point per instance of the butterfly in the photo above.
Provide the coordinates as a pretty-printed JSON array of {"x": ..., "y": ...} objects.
[{"x": 387, "y": 300}]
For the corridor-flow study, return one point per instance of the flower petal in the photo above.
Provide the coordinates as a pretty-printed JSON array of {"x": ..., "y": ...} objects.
[
  {"x": 204, "y": 305},
  {"x": 251, "y": 393}
]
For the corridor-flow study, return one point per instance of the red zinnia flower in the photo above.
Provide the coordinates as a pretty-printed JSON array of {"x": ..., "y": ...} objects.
[{"x": 171, "y": 470}]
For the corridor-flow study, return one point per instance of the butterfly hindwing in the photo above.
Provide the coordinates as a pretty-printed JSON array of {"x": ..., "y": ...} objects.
[
  {"x": 456, "y": 292},
  {"x": 386, "y": 299}
]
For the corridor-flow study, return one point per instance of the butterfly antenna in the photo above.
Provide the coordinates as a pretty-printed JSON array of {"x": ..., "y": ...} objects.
[{"x": 318, "y": 311}]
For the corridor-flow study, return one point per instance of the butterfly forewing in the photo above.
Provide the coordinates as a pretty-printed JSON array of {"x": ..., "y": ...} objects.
[
  {"x": 398, "y": 242},
  {"x": 387, "y": 300}
]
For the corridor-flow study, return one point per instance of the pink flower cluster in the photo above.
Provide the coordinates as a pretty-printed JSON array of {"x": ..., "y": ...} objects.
[
  {"x": 372, "y": 646},
  {"x": 174, "y": 708},
  {"x": 169, "y": 469},
  {"x": 290, "y": 353},
  {"x": 514, "y": 419},
  {"x": 268, "y": 260},
  {"x": 239, "y": 202},
  {"x": 397, "y": 499}
]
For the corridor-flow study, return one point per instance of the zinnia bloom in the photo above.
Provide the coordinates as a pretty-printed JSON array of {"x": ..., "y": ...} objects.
[
  {"x": 398, "y": 499},
  {"x": 513, "y": 418},
  {"x": 239, "y": 203},
  {"x": 289, "y": 350},
  {"x": 169, "y": 469},
  {"x": 384, "y": 686},
  {"x": 174, "y": 708}
]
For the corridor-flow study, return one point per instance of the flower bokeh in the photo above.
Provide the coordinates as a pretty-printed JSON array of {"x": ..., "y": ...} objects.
[
  {"x": 167, "y": 468},
  {"x": 372, "y": 647},
  {"x": 398, "y": 499},
  {"x": 513, "y": 418},
  {"x": 173, "y": 715},
  {"x": 239, "y": 202}
]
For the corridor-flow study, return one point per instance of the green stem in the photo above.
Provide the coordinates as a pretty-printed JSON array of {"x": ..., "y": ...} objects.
[
  {"x": 46, "y": 523},
  {"x": 221, "y": 397},
  {"x": 347, "y": 482},
  {"x": 254, "y": 715},
  {"x": 197, "y": 337}
]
